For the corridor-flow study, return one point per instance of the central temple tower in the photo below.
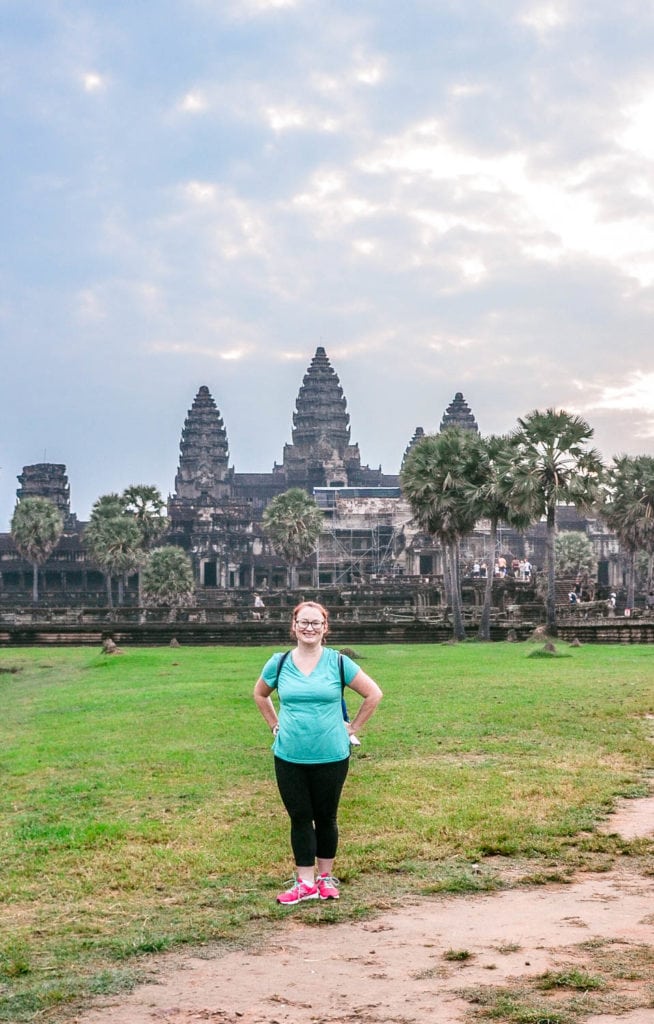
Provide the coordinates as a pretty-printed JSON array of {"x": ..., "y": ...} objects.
[{"x": 320, "y": 454}]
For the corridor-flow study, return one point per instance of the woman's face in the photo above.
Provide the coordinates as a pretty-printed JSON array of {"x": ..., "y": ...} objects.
[{"x": 309, "y": 625}]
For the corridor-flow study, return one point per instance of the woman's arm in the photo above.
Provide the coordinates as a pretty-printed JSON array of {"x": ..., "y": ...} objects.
[
  {"x": 262, "y": 699},
  {"x": 371, "y": 693}
]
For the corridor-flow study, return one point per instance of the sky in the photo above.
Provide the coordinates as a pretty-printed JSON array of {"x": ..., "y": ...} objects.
[{"x": 447, "y": 196}]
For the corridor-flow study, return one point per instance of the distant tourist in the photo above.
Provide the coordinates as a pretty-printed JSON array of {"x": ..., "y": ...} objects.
[{"x": 312, "y": 744}]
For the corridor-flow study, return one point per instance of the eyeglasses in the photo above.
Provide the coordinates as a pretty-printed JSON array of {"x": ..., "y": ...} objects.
[{"x": 306, "y": 624}]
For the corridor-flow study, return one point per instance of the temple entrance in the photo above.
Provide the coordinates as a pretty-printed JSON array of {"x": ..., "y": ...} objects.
[{"x": 210, "y": 574}]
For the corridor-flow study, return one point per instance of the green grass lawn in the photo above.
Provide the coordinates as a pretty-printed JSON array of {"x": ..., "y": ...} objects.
[{"x": 138, "y": 808}]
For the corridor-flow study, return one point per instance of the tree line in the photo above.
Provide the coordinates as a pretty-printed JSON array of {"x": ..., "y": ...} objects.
[
  {"x": 120, "y": 537},
  {"x": 457, "y": 477}
]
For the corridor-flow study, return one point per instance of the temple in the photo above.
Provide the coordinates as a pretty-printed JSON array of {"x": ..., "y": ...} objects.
[{"x": 215, "y": 513}]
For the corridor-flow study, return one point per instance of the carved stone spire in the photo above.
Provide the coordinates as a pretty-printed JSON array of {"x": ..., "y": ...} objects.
[
  {"x": 47, "y": 480},
  {"x": 320, "y": 407},
  {"x": 419, "y": 432},
  {"x": 458, "y": 414},
  {"x": 320, "y": 454},
  {"x": 203, "y": 465}
]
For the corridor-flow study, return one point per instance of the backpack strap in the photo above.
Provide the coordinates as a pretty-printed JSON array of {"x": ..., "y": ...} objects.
[
  {"x": 280, "y": 666},
  {"x": 341, "y": 672}
]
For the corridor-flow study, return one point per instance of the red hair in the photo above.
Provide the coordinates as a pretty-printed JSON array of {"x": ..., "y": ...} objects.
[{"x": 310, "y": 604}]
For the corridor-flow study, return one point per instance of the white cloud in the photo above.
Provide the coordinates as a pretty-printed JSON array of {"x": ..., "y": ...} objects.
[
  {"x": 214, "y": 352},
  {"x": 511, "y": 194},
  {"x": 330, "y": 202},
  {"x": 638, "y": 135},
  {"x": 546, "y": 17},
  {"x": 194, "y": 102},
  {"x": 220, "y": 221},
  {"x": 473, "y": 269},
  {"x": 464, "y": 90},
  {"x": 93, "y": 82},
  {"x": 364, "y": 246},
  {"x": 370, "y": 74},
  {"x": 636, "y": 393},
  {"x": 241, "y": 10},
  {"x": 200, "y": 191},
  {"x": 282, "y": 118}
]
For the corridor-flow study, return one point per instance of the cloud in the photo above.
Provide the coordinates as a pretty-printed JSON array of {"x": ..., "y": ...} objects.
[
  {"x": 189, "y": 349},
  {"x": 549, "y": 214},
  {"x": 546, "y": 18},
  {"x": 264, "y": 6},
  {"x": 193, "y": 102},
  {"x": 94, "y": 82},
  {"x": 635, "y": 393},
  {"x": 637, "y": 134}
]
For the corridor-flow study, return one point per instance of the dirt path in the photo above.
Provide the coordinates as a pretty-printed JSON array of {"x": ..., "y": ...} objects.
[{"x": 395, "y": 969}]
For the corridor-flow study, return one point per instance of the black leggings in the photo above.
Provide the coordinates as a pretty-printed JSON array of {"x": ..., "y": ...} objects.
[{"x": 311, "y": 793}]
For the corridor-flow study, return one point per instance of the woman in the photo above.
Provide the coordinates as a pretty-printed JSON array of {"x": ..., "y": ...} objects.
[{"x": 312, "y": 744}]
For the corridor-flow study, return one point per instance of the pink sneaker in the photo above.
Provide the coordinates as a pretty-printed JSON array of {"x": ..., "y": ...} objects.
[
  {"x": 298, "y": 892},
  {"x": 327, "y": 887}
]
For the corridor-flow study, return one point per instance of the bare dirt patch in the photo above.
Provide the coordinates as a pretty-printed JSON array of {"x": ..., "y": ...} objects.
[{"x": 439, "y": 961}]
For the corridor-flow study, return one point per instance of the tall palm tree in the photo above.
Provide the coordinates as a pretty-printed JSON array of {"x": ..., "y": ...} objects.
[
  {"x": 293, "y": 523},
  {"x": 36, "y": 526},
  {"x": 553, "y": 465},
  {"x": 493, "y": 499},
  {"x": 113, "y": 540},
  {"x": 168, "y": 579},
  {"x": 145, "y": 504},
  {"x": 628, "y": 509},
  {"x": 437, "y": 476}
]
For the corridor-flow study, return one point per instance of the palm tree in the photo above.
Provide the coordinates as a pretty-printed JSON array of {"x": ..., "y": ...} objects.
[
  {"x": 113, "y": 540},
  {"x": 293, "y": 523},
  {"x": 144, "y": 503},
  {"x": 168, "y": 579},
  {"x": 36, "y": 526},
  {"x": 552, "y": 465},
  {"x": 575, "y": 555},
  {"x": 492, "y": 499},
  {"x": 437, "y": 476},
  {"x": 628, "y": 509}
]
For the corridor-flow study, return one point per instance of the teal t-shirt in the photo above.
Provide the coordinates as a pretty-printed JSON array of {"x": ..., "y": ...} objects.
[{"x": 311, "y": 726}]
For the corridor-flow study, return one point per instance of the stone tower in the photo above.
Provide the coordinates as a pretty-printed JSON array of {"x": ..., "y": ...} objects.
[
  {"x": 418, "y": 434},
  {"x": 458, "y": 414},
  {"x": 203, "y": 473},
  {"x": 48, "y": 480},
  {"x": 320, "y": 454}
]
